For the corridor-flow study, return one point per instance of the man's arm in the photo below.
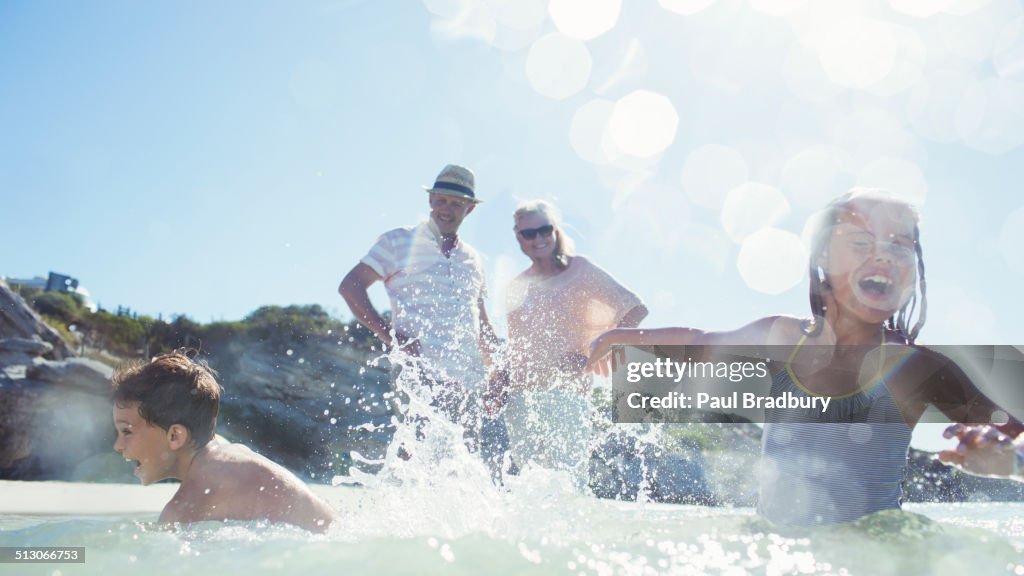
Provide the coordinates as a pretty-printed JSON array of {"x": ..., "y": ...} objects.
[{"x": 353, "y": 289}]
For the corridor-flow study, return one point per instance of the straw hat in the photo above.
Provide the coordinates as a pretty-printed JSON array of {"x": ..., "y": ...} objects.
[{"x": 454, "y": 181}]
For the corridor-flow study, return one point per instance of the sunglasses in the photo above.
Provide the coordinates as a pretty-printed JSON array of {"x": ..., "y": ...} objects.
[{"x": 531, "y": 233}]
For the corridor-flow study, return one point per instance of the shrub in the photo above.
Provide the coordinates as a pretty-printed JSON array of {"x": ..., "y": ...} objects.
[{"x": 64, "y": 306}]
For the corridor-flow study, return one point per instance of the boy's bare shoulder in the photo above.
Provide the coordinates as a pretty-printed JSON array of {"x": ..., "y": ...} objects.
[
  {"x": 231, "y": 482},
  {"x": 225, "y": 456},
  {"x": 245, "y": 471}
]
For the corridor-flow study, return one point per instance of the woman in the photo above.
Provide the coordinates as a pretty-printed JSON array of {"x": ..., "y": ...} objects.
[
  {"x": 555, "y": 308},
  {"x": 866, "y": 280}
]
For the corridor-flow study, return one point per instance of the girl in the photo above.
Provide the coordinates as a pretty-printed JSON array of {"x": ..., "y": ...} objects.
[{"x": 866, "y": 283}]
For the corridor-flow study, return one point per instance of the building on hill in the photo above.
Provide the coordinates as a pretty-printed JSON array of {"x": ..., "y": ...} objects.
[{"x": 55, "y": 282}]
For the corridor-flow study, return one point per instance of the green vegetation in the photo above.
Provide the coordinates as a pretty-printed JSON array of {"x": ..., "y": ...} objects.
[{"x": 127, "y": 334}]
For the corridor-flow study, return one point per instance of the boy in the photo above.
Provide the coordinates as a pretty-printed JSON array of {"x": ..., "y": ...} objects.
[{"x": 165, "y": 413}]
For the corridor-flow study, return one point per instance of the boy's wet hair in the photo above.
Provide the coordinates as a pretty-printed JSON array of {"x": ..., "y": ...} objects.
[
  {"x": 172, "y": 389},
  {"x": 827, "y": 219}
]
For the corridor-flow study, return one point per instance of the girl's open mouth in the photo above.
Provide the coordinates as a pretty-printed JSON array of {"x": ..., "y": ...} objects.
[{"x": 876, "y": 285}]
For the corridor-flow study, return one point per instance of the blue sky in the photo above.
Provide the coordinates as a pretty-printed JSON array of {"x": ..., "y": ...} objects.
[{"x": 209, "y": 158}]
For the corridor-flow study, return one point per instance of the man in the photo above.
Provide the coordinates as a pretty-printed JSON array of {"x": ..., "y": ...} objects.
[{"x": 436, "y": 285}]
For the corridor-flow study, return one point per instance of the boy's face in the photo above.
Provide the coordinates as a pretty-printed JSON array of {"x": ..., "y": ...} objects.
[{"x": 149, "y": 446}]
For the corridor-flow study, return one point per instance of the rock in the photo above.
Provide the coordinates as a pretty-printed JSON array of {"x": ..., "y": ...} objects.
[
  {"x": 680, "y": 479},
  {"x": 49, "y": 430},
  {"x": 16, "y": 409},
  {"x": 19, "y": 320},
  {"x": 624, "y": 465},
  {"x": 34, "y": 346},
  {"x": 14, "y": 363},
  {"x": 73, "y": 372},
  {"x": 306, "y": 409},
  {"x": 15, "y": 352}
]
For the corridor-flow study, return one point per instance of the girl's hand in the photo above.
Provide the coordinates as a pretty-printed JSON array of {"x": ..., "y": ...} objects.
[{"x": 981, "y": 450}]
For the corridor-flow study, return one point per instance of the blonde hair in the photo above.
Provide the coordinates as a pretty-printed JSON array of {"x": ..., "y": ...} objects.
[{"x": 564, "y": 246}]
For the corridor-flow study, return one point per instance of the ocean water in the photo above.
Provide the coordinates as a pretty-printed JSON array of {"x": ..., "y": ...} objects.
[
  {"x": 440, "y": 513},
  {"x": 534, "y": 525}
]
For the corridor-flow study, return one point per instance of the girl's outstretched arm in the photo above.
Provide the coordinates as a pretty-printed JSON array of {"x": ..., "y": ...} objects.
[
  {"x": 603, "y": 361},
  {"x": 945, "y": 385},
  {"x": 769, "y": 330}
]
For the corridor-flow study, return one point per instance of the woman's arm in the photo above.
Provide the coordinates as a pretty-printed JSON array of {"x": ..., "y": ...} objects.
[{"x": 634, "y": 317}]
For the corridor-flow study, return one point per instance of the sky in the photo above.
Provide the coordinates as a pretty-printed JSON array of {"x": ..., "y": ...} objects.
[{"x": 208, "y": 158}]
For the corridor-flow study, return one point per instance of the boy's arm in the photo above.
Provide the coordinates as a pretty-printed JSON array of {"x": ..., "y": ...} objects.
[
  {"x": 282, "y": 497},
  {"x": 175, "y": 510},
  {"x": 312, "y": 512}
]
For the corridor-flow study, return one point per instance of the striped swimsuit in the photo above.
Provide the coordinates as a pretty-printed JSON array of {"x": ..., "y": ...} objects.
[{"x": 825, "y": 471}]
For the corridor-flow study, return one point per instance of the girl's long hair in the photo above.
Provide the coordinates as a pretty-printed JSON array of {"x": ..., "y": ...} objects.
[{"x": 827, "y": 219}]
